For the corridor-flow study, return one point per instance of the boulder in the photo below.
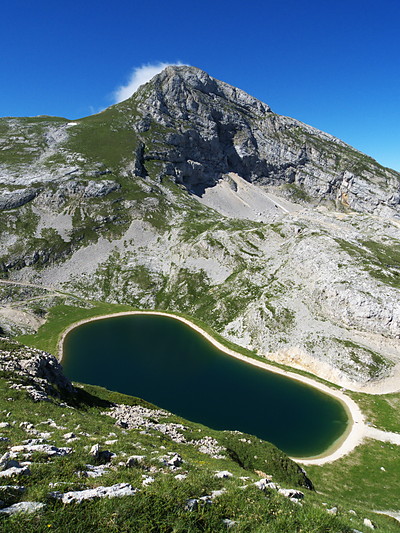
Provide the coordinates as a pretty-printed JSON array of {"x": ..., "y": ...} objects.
[{"x": 103, "y": 456}]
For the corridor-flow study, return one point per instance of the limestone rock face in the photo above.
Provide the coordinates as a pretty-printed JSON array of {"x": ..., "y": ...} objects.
[
  {"x": 13, "y": 199},
  {"x": 214, "y": 128}
]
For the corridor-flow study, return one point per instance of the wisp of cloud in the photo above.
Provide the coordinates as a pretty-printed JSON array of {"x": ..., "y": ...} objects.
[{"x": 139, "y": 76}]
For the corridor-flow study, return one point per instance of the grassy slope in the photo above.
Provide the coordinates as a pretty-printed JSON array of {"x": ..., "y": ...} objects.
[
  {"x": 159, "y": 506},
  {"x": 360, "y": 478},
  {"x": 382, "y": 411}
]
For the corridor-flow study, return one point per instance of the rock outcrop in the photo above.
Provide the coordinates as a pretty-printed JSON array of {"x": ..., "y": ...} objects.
[
  {"x": 17, "y": 198},
  {"x": 37, "y": 372}
]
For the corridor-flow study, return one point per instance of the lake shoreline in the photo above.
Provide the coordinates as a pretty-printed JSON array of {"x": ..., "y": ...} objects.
[{"x": 352, "y": 437}]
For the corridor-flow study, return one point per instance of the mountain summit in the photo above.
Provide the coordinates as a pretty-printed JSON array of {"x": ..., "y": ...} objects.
[{"x": 209, "y": 128}]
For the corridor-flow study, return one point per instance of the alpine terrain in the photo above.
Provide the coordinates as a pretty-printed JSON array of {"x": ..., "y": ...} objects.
[{"x": 193, "y": 197}]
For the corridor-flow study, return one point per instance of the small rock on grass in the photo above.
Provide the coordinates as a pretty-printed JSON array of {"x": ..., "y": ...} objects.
[
  {"x": 115, "y": 491},
  {"x": 135, "y": 460},
  {"x": 292, "y": 494},
  {"x": 229, "y": 523},
  {"x": 223, "y": 474},
  {"x": 175, "y": 461},
  {"x": 22, "y": 507},
  {"x": 192, "y": 504},
  {"x": 368, "y": 523},
  {"x": 103, "y": 456},
  {"x": 15, "y": 471}
]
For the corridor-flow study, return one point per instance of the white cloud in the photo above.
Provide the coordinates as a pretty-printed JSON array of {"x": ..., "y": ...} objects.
[{"x": 139, "y": 76}]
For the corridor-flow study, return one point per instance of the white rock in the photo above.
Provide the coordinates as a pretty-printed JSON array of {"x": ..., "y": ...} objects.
[
  {"x": 12, "y": 488},
  {"x": 291, "y": 493},
  {"x": 223, "y": 474},
  {"x": 229, "y": 523},
  {"x": 175, "y": 461},
  {"x": 205, "y": 500},
  {"x": 264, "y": 483},
  {"x": 23, "y": 507},
  {"x": 15, "y": 471},
  {"x": 192, "y": 504},
  {"x": 333, "y": 510},
  {"x": 42, "y": 448},
  {"x": 101, "y": 455},
  {"x": 216, "y": 493},
  {"x": 96, "y": 471},
  {"x": 368, "y": 523},
  {"x": 94, "y": 450},
  {"x": 135, "y": 460},
  {"x": 115, "y": 491}
]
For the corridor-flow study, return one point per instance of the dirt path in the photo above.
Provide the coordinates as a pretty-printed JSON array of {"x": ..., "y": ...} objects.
[{"x": 26, "y": 284}]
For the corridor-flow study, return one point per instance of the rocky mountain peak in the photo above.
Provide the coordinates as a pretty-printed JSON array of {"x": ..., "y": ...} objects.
[
  {"x": 177, "y": 82},
  {"x": 215, "y": 129}
]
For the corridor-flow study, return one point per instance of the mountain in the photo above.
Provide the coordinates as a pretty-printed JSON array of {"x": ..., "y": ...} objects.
[
  {"x": 208, "y": 129},
  {"x": 193, "y": 196}
]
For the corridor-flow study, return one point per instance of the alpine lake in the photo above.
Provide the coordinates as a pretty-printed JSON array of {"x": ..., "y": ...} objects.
[{"x": 167, "y": 363}]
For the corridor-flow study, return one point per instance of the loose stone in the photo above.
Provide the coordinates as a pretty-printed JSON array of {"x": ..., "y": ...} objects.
[
  {"x": 22, "y": 507},
  {"x": 115, "y": 491}
]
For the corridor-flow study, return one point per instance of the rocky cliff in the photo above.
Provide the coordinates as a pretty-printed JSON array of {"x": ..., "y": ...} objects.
[{"x": 213, "y": 129}]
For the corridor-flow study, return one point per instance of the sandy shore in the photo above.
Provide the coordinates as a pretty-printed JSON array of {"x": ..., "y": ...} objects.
[{"x": 357, "y": 429}]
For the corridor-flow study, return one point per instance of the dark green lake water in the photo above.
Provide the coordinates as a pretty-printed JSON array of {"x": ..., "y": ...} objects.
[{"x": 166, "y": 363}]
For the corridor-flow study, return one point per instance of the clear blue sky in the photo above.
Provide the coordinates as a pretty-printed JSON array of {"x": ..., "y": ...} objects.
[{"x": 332, "y": 64}]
